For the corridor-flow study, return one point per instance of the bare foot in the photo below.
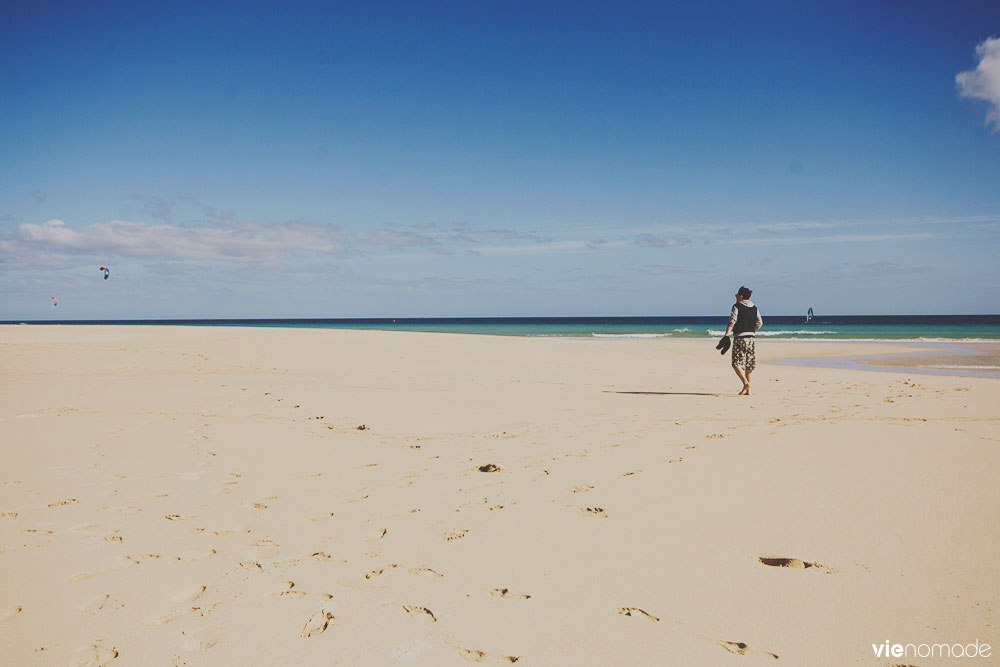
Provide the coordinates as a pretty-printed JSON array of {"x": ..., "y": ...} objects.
[{"x": 744, "y": 391}]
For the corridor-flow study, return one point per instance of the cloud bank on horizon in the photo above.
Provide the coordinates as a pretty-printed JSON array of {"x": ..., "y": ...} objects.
[
  {"x": 414, "y": 266},
  {"x": 55, "y": 244}
]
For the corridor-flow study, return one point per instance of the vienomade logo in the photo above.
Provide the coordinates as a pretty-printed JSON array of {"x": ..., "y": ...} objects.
[{"x": 890, "y": 650}]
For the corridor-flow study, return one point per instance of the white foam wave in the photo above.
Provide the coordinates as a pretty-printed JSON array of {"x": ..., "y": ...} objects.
[
  {"x": 632, "y": 335},
  {"x": 894, "y": 340},
  {"x": 780, "y": 332},
  {"x": 953, "y": 340},
  {"x": 792, "y": 336}
]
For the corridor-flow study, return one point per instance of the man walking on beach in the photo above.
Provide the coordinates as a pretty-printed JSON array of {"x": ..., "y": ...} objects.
[{"x": 744, "y": 321}]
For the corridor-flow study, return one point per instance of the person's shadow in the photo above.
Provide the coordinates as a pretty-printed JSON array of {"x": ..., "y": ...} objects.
[{"x": 661, "y": 393}]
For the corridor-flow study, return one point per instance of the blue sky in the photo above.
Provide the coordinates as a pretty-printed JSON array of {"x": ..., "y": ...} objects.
[{"x": 497, "y": 158}]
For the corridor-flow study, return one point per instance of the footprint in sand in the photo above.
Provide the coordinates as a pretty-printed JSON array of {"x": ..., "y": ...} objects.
[
  {"x": 793, "y": 563},
  {"x": 326, "y": 558},
  {"x": 375, "y": 573},
  {"x": 629, "y": 611},
  {"x": 505, "y": 593},
  {"x": 65, "y": 501},
  {"x": 7, "y": 613},
  {"x": 421, "y": 612},
  {"x": 391, "y": 566},
  {"x": 594, "y": 511},
  {"x": 163, "y": 620},
  {"x": 190, "y": 594},
  {"x": 474, "y": 655},
  {"x": 582, "y": 489},
  {"x": 291, "y": 592},
  {"x": 98, "y": 604},
  {"x": 264, "y": 543},
  {"x": 455, "y": 535},
  {"x": 740, "y": 648},
  {"x": 262, "y": 503},
  {"x": 8, "y": 515},
  {"x": 95, "y": 656},
  {"x": 317, "y": 624}
]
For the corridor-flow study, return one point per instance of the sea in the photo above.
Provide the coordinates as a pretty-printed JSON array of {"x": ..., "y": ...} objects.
[{"x": 924, "y": 328}]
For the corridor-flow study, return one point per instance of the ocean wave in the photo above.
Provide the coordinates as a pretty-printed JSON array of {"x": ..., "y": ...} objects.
[
  {"x": 924, "y": 339},
  {"x": 893, "y": 340},
  {"x": 796, "y": 332},
  {"x": 800, "y": 336},
  {"x": 631, "y": 335}
]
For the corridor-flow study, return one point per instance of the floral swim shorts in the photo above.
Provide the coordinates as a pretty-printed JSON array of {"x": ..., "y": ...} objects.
[{"x": 743, "y": 353}]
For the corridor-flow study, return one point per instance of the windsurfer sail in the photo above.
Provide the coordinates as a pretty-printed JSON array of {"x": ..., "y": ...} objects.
[{"x": 809, "y": 316}]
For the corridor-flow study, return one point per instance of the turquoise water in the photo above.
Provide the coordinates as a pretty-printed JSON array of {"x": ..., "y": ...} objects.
[{"x": 845, "y": 327}]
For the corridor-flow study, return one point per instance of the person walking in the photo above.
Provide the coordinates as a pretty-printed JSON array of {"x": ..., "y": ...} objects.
[{"x": 744, "y": 322}]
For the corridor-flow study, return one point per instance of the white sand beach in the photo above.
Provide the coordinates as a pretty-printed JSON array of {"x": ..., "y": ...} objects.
[{"x": 268, "y": 496}]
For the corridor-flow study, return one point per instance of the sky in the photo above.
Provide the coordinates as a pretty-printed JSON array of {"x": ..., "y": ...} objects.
[{"x": 461, "y": 159}]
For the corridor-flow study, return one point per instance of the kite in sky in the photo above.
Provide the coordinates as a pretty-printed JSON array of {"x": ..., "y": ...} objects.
[
  {"x": 55, "y": 301},
  {"x": 107, "y": 272}
]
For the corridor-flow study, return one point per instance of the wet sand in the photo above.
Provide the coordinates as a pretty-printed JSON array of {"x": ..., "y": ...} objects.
[{"x": 959, "y": 356}]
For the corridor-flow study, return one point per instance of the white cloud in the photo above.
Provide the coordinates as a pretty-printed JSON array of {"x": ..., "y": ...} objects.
[
  {"x": 533, "y": 247},
  {"x": 984, "y": 81},
  {"x": 799, "y": 226},
  {"x": 653, "y": 241},
  {"x": 237, "y": 242},
  {"x": 394, "y": 239},
  {"x": 835, "y": 238},
  {"x": 465, "y": 233}
]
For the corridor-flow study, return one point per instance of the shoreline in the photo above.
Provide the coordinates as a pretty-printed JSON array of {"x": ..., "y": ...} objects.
[
  {"x": 931, "y": 358},
  {"x": 955, "y": 358}
]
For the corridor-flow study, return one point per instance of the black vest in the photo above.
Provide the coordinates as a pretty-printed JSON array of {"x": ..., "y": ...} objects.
[{"x": 746, "y": 319}]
